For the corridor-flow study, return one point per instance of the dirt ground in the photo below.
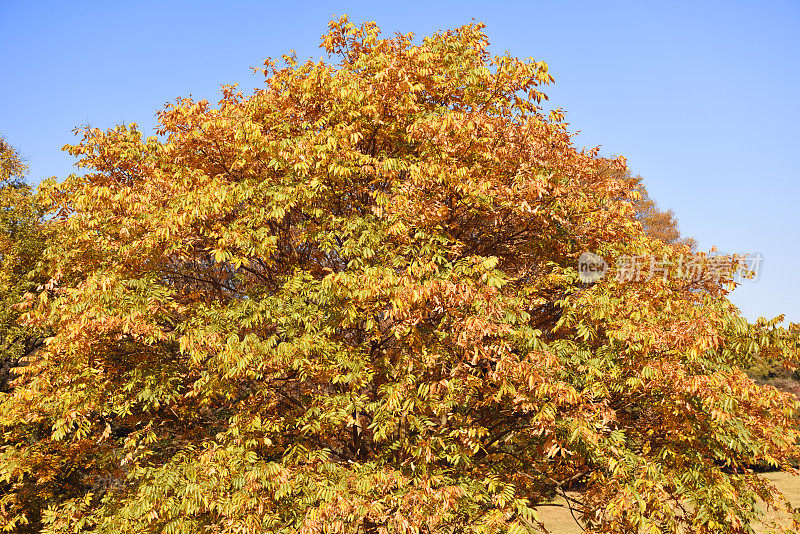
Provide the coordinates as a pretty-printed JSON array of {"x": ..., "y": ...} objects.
[{"x": 558, "y": 520}]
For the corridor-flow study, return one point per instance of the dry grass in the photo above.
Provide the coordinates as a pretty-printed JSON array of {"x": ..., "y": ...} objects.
[
  {"x": 558, "y": 520},
  {"x": 790, "y": 487}
]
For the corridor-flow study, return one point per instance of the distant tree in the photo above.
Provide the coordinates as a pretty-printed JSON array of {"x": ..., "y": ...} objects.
[
  {"x": 350, "y": 303},
  {"x": 12, "y": 168},
  {"x": 21, "y": 246},
  {"x": 658, "y": 223},
  {"x": 23, "y": 237}
]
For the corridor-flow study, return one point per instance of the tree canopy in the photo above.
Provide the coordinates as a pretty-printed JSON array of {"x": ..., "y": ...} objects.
[
  {"x": 22, "y": 241},
  {"x": 349, "y": 302}
]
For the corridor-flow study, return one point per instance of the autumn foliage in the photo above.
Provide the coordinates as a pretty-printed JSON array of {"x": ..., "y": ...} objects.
[
  {"x": 349, "y": 303},
  {"x": 22, "y": 240}
]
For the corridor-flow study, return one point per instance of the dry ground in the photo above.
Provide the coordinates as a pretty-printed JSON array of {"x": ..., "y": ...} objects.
[{"x": 558, "y": 519}]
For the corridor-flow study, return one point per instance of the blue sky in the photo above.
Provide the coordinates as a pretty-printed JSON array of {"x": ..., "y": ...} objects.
[{"x": 701, "y": 98}]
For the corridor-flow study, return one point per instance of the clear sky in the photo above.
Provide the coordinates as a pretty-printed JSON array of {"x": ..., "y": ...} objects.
[{"x": 701, "y": 97}]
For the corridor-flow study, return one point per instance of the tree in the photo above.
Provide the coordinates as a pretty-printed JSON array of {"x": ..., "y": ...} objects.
[
  {"x": 23, "y": 237},
  {"x": 21, "y": 246},
  {"x": 349, "y": 302},
  {"x": 658, "y": 224},
  {"x": 12, "y": 169}
]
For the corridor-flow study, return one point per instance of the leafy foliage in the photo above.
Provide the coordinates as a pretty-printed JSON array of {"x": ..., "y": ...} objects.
[
  {"x": 21, "y": 245},
  {"x": 349, "y": 303},
  {"x": 23, "y": 237}
]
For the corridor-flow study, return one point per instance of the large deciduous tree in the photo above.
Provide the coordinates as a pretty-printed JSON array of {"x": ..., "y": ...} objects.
[{"x": 349, "y": 303}]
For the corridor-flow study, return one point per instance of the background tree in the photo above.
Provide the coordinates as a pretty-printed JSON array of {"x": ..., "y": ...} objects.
[
  {"x": 658, "y": 223},
  {"x": 349, "y": 302},
  {"x": 23, "y": 237},
  {"x": 21, "y": 246}
]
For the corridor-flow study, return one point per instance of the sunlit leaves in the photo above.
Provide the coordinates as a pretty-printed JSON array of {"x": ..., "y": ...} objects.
[{"x": 348, "y": 303}]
